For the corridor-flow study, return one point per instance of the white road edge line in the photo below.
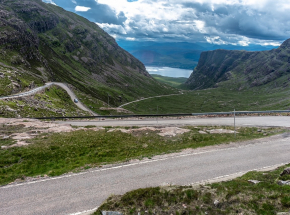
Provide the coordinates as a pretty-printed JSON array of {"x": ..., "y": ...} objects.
[
  {"x": 208, "y": 181},
  {"x": 87, "y": 211},
  {"x": 238, "y": 174}
]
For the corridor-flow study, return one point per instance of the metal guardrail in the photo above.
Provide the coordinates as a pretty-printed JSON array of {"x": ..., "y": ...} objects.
[
  {"x": 167, "y": 115},
  {"x": 242, "y": 112}
]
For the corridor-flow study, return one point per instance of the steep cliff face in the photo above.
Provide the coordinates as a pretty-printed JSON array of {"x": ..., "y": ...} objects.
[
  {"x": 247, "y": 69},
  {"x": 55, "y": 45}
]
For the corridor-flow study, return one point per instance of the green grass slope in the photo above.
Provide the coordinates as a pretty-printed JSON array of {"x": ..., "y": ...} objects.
[
  {"x": 272, "y": 96},
  {"x": 174, "y": 82}
]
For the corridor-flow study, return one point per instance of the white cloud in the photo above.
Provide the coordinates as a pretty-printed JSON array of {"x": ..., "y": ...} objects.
[
  {"x": 114, "y": 29},
  {"x": 270, "y": 43},
  {"x": 49, "y": 1},
  {"x": 244, "y": 43},
  {"x": 82, "y": 9},
  {"x": 130, "y": 38},
  {"x": 240, "y": 22},
  {"x": 215, "y": 40}
]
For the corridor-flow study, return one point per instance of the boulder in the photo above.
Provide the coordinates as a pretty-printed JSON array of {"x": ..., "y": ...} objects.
[
  {"x": 283, "y": 182},
  {"x": 216, "y": 203},
  {"x": 285, "y": 172},
  {"x": 254, "y": 181}
]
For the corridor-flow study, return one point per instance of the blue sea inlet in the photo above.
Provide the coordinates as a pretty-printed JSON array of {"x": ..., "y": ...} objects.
[{"x": 169, "y": 72}]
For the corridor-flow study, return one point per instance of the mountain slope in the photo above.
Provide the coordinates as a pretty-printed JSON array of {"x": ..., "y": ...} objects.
[
  {"x": 241, "y": 69},
  {"x": 44, "y": 43}
]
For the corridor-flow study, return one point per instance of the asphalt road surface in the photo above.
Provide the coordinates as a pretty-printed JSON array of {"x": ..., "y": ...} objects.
[
  {"x": 283, "y": 121},
  {"x": 73, "y": 97},
  {"x": 75, "y": 193}
]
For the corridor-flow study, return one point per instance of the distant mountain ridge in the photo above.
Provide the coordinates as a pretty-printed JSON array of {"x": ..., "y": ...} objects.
[
  {"x": 50, "y": 44},
  {"x": 182, "y": 55},
  {"x": 246, "y": 69}
]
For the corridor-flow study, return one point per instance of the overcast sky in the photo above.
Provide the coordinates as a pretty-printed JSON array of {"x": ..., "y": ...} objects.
[{"x": 240, "y": 22}]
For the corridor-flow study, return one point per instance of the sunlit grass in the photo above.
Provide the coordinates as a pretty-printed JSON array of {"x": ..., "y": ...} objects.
[{"x": 55, "y": 154}]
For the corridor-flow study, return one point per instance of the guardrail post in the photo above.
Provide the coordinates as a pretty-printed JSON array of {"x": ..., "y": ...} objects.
[
  {"x": 157, "y": 115},
  {"x": 235, "y": 121}
]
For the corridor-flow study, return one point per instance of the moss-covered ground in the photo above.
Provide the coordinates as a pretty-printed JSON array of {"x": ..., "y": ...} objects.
[{"x": 238, "y": 196}]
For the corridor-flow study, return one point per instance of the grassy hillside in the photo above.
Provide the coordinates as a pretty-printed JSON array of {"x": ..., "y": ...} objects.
[
  {"x": 43, "y": 42},
  {"x": 174, "y": 82},
  {"x": 224, "y": 98}
]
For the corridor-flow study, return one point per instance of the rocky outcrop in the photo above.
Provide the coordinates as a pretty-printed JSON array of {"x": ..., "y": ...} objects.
[{"x": 248, "y": 69}]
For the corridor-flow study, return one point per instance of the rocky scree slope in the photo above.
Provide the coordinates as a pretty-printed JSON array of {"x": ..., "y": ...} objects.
[
  {"x": 241, "y": 69},
  {"x": 43, "y": 42}
]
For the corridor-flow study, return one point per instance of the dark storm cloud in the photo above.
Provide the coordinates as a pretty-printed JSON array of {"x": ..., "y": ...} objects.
[{"x": 244, "y": 20}]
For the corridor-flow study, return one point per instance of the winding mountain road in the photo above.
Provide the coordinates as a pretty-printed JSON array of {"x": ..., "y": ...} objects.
[
  {"x": 123, "y": 105},
  {"x": 62, "y": 85}
]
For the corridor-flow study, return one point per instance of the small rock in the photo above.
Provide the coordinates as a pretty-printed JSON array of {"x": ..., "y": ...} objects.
[
  {"x": 184, "y": 206},
  {"x": 283, "y": 182},
  {"x": 15, "y": 84},
  {"x": 254, "y": 181},
  {"x": 165, "y": 184},
  {"x": 5, "y": 137},
  {"x": 216, "y": 203},
  {"x": 221, "y": 131},
  {"x": 283, "y": 213},
  {"x": 10, "y": 109},
  {"x": 202, "y": 132},
  {"x": 285, "y": 171}
]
